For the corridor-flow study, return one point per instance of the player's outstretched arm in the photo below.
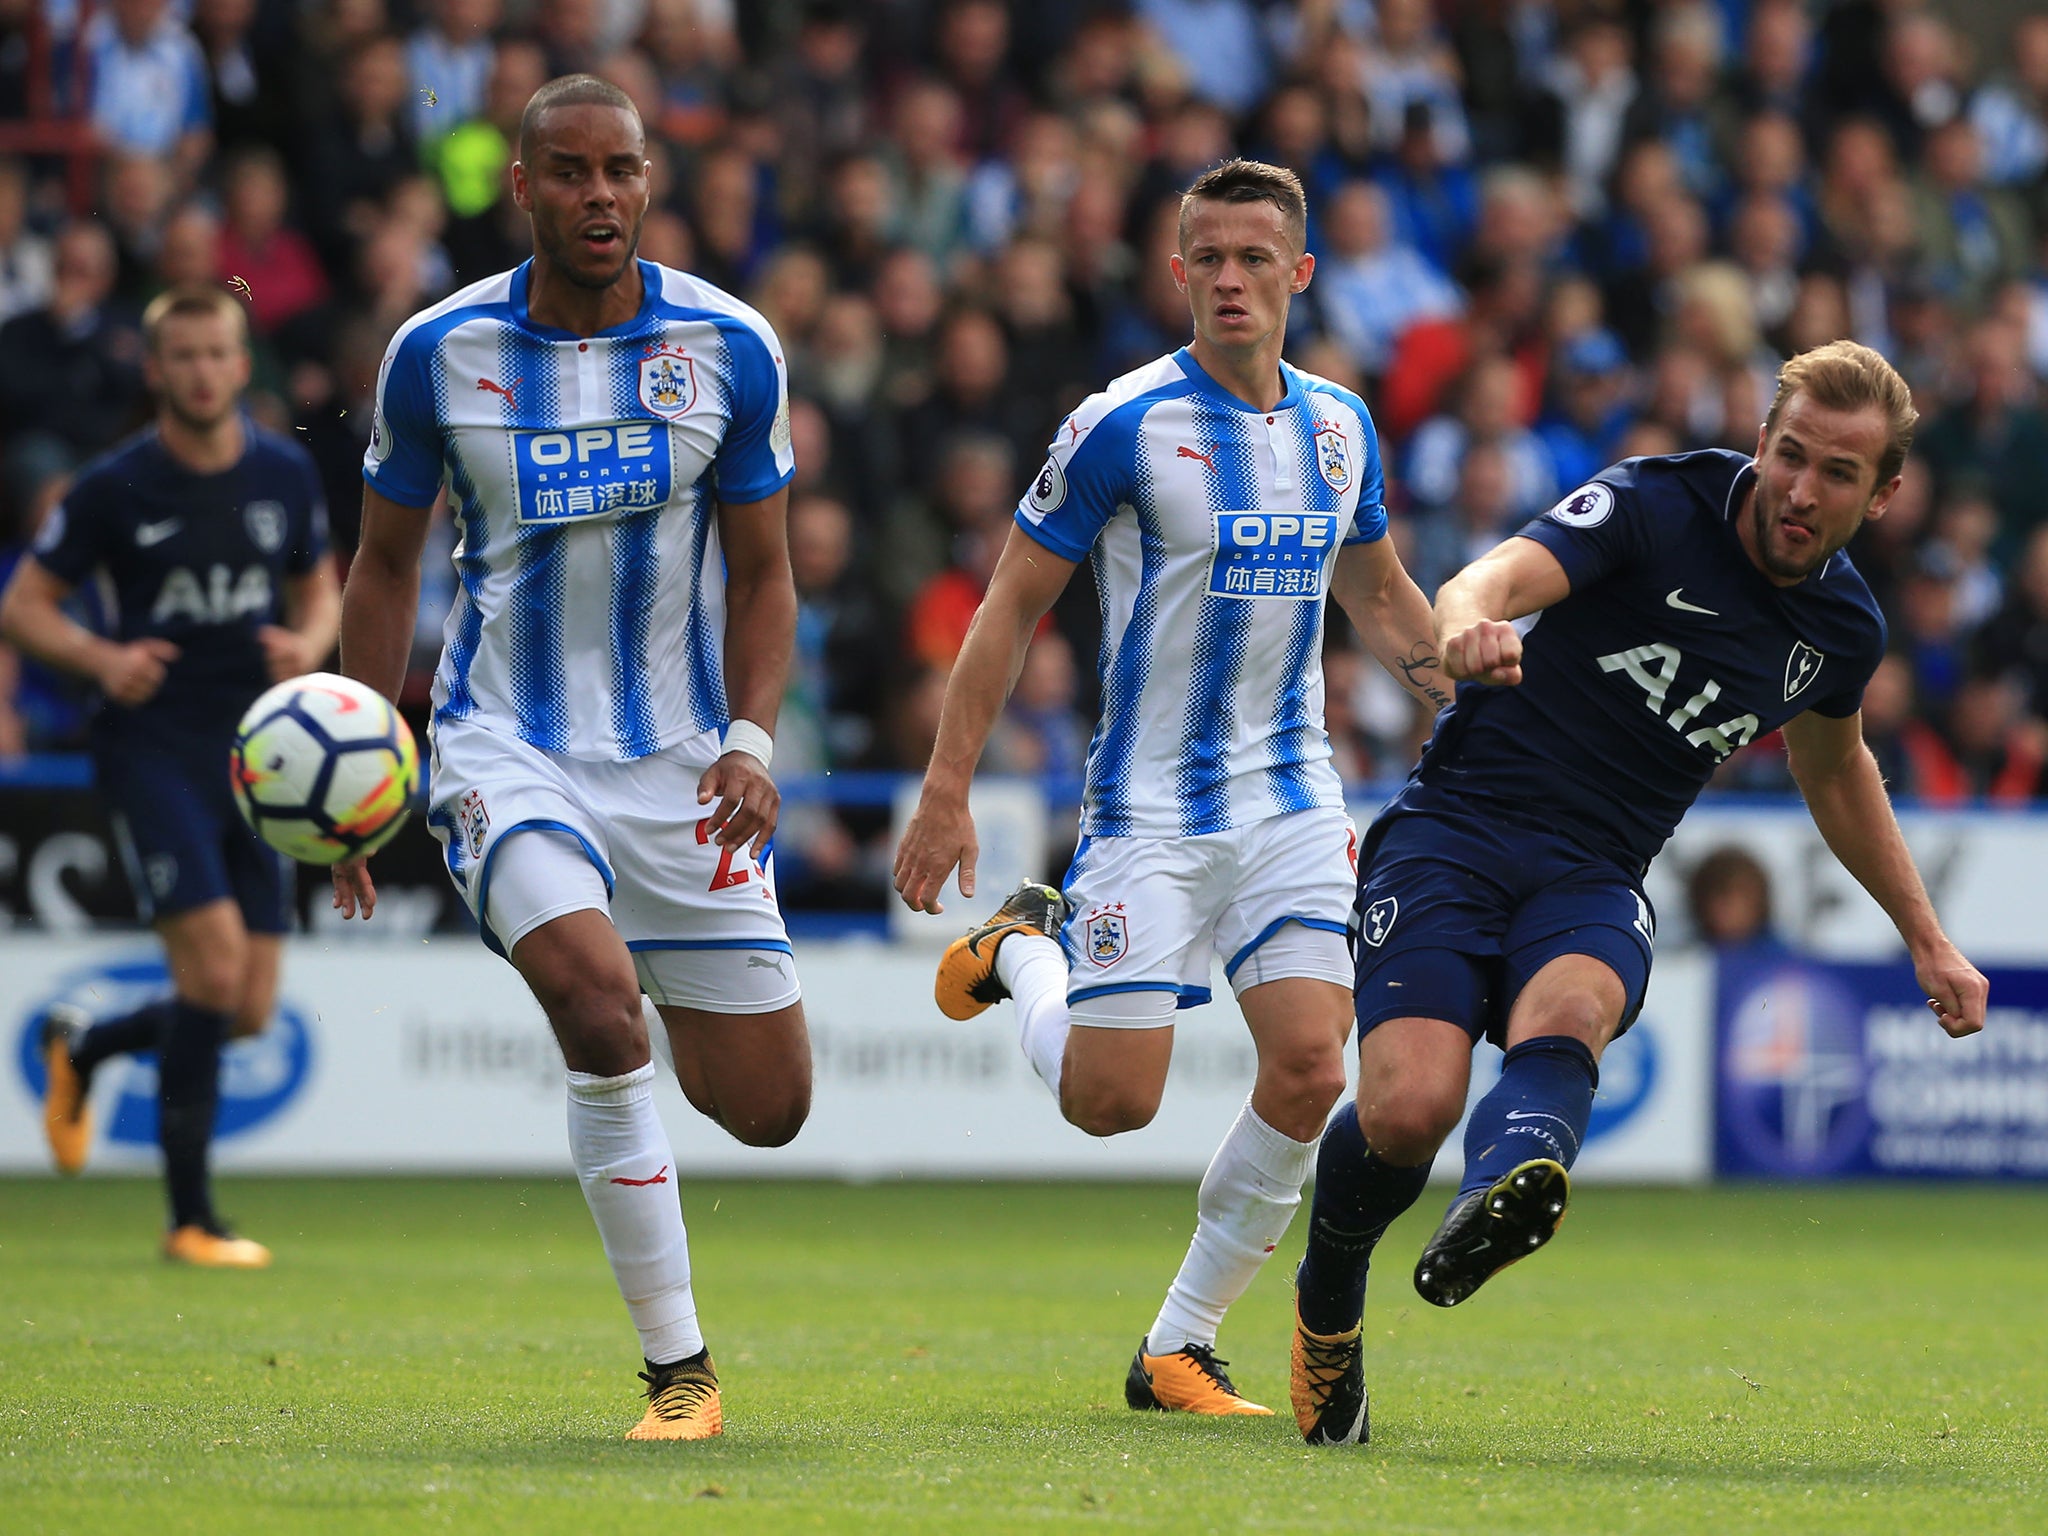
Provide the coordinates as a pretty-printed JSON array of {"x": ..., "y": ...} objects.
[
  {"x": 378, "y": 609},
  {"x": 940, "y": 835},
  {"x": 1475, "y": 634},
  {"x": 760, "y": 633},
  {"x": 1392, "y": 617},
  {"x": 1845, "y": 793}
]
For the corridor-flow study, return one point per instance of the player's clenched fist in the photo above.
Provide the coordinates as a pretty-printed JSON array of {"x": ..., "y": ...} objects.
[
  {"x": 748, "y": 802},
  {"x": 1486, "y": 652},
  {"x": 133, "y": 672}
]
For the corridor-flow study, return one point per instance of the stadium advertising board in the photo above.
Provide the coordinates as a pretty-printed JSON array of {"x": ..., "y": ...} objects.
[
  {"x": 430, "y": 1056},
  {"x": 1829, "y": 1070}
]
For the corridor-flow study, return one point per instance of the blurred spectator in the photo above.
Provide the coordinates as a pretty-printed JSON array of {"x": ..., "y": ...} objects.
[
  {"x": 1049, "y": 361},
  {"x": 448, "y": 62},
  {"x": 927, "y": 179},
  {"x": 1972, "y": 236},
  {"x": 971, "y": 395},
  {"x": 972, "y": 43},
  {"x": 149, "y": 90},
  {"x": 2015, "y": 642},
  {"x": 1910, "y": 753},
  {"x": 27, "y": 265},
  {"x": 1368, "y": 290},
  {"x": 486, "y": 232},
  {"x": 1930, "y": 630},
  {"x": 1433, "y": 204},
  {"x": 1766, "y": 243},
  {"x": 1490, "y": 410},
  {"x": 1485, "y": 510},
  {"x": 1999, "y": 752},
  {"x": 1409, "y": 64},
  {"x": 973, "y": 491},
  {"x": 278, "y": 271},
  {"x": 365, "y": 150},
  {"x": 1964, "y": 530},
  {"x": 1997, "y": 433},
  {"x": 1593, "y": 81},
  {"x": 835, "y": 683},
  {"x": 248, "y": 68},
  {"x": 2011, "y": 113},
  {"x": 1219, "y": 45},
  {"x": 1681, "y": 107},
  {"x": 136, "y": 193},
  {"x": 1728, "y": 896},
  {"x": 189, "y": 250},
  {"x": 73, "y": 368},
  {"x": 1040, "y": 730},
  {"x": 1590, "y": 407},
  {"x": 691, "y": 54}
]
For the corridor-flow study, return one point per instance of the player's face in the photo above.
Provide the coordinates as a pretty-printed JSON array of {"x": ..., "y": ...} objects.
[
  {"x": 586, "y": 189},
  {"x": 1239, "y": 270},
  {"x": 1816, "y": 484},
  {"x": 199, "y": 368}
]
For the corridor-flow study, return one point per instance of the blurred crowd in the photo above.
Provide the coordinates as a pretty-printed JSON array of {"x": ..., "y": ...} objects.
[{"x": 1550, "y": 234}]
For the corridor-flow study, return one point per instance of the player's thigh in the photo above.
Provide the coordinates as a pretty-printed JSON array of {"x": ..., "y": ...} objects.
[
  {"x": 492, "y": 794},
  {"x": 751, "y": 1072},
  {"x": 1298, "y": 1024},
  {"x": 1428, "y": 935},
  {"x": 548, "y": 899},
  {"x": 207, "y": 948},
  {"x": 1578, "y": 955},
  {"x": 1413, "y": 1075},
  {"x": 262, "y": 963},
  {"x": 170, "y": 831},
  {"x": 1114, "y": 1073},
  {"x": 1291, "y": 883}
]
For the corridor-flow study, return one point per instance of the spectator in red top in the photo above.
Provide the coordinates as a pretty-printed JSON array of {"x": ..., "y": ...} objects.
[{"x": 280, "y": 276}]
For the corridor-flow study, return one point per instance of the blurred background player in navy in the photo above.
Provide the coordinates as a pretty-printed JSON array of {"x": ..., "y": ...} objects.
[{"x": 211, "y": 534}]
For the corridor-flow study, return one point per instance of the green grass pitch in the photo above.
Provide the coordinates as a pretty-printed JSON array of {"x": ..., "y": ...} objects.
[{"x": 450, "y": 1354}]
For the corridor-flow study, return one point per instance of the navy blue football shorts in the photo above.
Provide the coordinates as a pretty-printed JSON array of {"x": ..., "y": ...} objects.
[
  {"x": 179, "y": 834},
  {"x": 1456, "y": 913}
]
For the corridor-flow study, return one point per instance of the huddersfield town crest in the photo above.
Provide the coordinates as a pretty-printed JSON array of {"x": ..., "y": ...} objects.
[
  {"x": 1333, "y": 457},
  {"x": 668, "y": 381},
  {"x": 1801, "y": 668},
  {"x": 1109, "y": 938}
]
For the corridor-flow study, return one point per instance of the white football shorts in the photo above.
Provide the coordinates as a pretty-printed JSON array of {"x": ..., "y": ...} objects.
[
  {"x": 629, "y": 839},
  {"x": 1149, "y": 914}
]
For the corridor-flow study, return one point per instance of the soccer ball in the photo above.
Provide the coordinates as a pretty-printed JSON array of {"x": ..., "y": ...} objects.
[{"x": 323, "y": 768}]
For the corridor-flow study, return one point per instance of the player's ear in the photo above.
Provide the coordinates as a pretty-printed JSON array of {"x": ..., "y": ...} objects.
[
  {"x": 1881, "y": 502},
  {"x": 521, "y": 198},
  {"x": 1180, "y": 271},
  {"x": 1304, "y": 269}
]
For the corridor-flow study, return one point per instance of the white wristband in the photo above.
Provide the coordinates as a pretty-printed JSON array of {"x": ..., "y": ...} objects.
[{"x": 745, "y": 736}]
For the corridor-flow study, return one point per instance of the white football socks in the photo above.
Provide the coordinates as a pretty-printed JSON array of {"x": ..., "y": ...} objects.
[
  {"x": 628, "y": 1175},
  {"x": 1248, "y": 1197},
  {"x": 1034, "y": 968}
]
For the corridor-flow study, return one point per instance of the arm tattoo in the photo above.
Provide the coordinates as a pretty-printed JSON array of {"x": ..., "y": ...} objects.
[{"x": 1416, "y": 668}]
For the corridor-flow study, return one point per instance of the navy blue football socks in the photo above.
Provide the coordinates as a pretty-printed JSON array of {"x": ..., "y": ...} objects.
[
  {"x": 137, "y": 1031},
  {"x": 1357, "y": 1197},
  {"x": 188, "y": 1089},
  {"x": 1539, "y": 1108}
]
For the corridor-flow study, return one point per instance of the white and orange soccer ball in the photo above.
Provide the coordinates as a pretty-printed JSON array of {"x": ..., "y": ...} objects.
[{"x": 324, "y": 768}]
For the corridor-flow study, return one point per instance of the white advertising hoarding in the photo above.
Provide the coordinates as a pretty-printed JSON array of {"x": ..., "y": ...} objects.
[{"x": 431, "y": 1057}]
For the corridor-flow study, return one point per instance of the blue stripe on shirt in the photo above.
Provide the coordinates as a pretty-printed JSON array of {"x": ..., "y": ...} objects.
[
  {"x": 1295, "y": 728},
  {"x": 636, "y": 560},
  {"x": 539, "y": 586},
  {"x": 1221, "y": 633},
  {"x": 1123, "y": 681}
]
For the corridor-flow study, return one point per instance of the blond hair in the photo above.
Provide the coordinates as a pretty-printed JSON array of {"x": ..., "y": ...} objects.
[
  {"x": 191, "y": 299},
  {"x": 1848, "y": 376}
]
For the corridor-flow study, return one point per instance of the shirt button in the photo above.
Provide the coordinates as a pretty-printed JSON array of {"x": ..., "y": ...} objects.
[
  {"x": 1269, "y": 421},
  {"x": 584, "y": 346}
]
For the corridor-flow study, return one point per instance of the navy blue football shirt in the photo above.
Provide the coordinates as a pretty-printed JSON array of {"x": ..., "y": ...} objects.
[
  {"x": 1671, "y": 652},
  {"x": 199, "y": 560}
]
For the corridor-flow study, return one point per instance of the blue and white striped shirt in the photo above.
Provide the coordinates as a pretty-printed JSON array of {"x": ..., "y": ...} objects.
[
  {"x": 584, "y": 475},
  {"x": 1212, "y": 527}
]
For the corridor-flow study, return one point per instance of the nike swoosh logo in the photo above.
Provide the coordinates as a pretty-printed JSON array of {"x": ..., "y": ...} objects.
[
  {"x": 147, "y": 534},
  {"x": 1674, "y": 600}
]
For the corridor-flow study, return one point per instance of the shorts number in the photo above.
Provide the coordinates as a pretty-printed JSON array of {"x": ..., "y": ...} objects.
[{"x": 725, "y": 877}]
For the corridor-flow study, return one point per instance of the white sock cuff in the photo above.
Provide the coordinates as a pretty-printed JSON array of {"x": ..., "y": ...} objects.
[
  {"x": 1019, "y": 950},
  {"x": 1275, "y": 1153},
  {"x": 629, "y": 1088}
]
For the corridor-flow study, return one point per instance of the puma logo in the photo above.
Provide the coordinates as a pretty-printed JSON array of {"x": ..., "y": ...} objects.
[
  {"x": 502, "y": 389},
  {"x": 755, "y": 962},
  {"x": 1185, "y": 452},
  {"x": 659, "y": 1178}
]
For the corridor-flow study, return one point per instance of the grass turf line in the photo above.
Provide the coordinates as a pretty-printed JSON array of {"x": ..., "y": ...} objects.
[{"x": 914, "y": 1358}]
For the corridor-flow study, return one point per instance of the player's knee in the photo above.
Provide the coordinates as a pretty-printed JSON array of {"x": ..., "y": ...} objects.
[
  {"x": 1585, "y": 1016},
  {"x": 773, "y": 1124},
  {"x": 249, "y": 1020},
  {"x": 1309, "y": 1076},
  {"x": 1109, "y": 1108},
  {"x": 1407, "y": 1128},
  {"x": 597, "y": 1021},
  {"x": 214, "y": 982}
]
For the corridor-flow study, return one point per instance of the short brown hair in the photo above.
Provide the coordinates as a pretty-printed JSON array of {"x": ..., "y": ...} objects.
[
  {"x": 191, "y": 299},
  {"x": 1250, "y": 181},
  {"x": 569, "y": 91},
  {"x": 1848, "y": 376}
]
